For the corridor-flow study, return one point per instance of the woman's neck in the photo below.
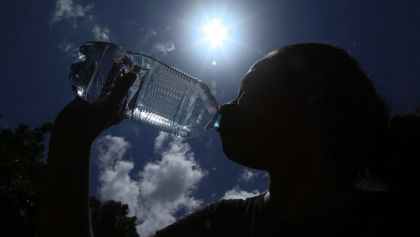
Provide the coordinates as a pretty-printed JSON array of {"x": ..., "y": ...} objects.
[{"x": 315, "y": 194}]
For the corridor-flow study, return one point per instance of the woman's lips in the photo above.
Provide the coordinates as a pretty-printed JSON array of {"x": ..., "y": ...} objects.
[{"x": 225, "y": 132}]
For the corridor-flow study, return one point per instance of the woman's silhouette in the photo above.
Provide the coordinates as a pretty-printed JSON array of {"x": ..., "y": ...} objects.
[{"x": 306, "y": 113}]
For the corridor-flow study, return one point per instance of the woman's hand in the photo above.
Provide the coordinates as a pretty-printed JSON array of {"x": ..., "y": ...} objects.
[{"x": 86, "y": 120}]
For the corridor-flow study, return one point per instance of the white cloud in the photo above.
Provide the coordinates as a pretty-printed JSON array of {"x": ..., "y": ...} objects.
[
  {"x": 68, "y": 10},
  {"x": 166, "y": 185},
  {"x": 160, "y": 140},
  {"x": 101, "y": 34},
  {"x": 66, "y": 47},
  {"x": 248, "y": 175},
  {"x": 114, "y": 178},
  {"x": 237, "y": 193},
  {"x": 163, "y": 188},
  {"x": 147, "y": 35},
  {"x": 111, "y": 149},
  {"x": 164, "y": 47}
]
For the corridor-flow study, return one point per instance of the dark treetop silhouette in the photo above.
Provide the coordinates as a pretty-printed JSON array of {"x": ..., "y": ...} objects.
[
  {"x": 308, "y": 115},
  {"x": 22, "y": 172}
]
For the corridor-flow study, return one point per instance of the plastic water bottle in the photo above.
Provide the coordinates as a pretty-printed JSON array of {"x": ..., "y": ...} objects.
[{"x": 161, "y": 96}]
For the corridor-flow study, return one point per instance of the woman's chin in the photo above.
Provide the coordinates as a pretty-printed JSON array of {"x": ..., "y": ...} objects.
[{"x": 243, "y": 156}]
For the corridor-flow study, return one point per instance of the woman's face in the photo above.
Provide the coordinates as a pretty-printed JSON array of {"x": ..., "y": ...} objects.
[
  {"x": 267, "y": 125},
  {"x": 249, "y": 125}
]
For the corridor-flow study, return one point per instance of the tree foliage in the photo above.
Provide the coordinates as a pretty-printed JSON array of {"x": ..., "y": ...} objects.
[
  {"x": 110, "y": 219},
  {"x": 21, "y": 175},
  {"x": 22, "y": 171}
]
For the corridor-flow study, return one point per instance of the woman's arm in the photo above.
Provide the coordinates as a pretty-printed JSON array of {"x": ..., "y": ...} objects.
[
  {"x": 65, "y": 209},
  {"x": 65, "y": 205}
]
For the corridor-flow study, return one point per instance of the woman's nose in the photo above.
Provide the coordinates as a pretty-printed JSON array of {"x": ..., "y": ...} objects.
[
  {"x": 229, "y": 113},
  {"x": 229, "y": 106},
  {"x": 229, "y": 109}
]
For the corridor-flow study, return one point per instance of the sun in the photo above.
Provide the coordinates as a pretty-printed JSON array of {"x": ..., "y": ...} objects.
[{"x": 215, "y": 33}]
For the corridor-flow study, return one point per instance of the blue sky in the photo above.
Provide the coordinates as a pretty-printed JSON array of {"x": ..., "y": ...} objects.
[{"x": 40, "y": 40}]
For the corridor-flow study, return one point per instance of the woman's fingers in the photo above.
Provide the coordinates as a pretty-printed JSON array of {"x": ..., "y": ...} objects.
[
  {"x": 121, "y": 87},
  {"x": 136, "y": 69}
]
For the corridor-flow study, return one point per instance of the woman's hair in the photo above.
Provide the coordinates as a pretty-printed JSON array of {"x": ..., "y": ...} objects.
[{"x": 353, "y": 116}]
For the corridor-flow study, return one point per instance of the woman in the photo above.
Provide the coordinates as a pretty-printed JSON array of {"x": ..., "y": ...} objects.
[{"x": 306, "y": 113}]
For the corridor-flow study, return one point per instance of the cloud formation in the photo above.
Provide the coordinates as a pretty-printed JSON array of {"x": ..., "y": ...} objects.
[
  {"x": 146, "y": 35},
  {"x": 248, "y": 175},
  {"x": 68, "y": 10},
  {"x": 114, "y": 179},
  {"x": 237, "y": 193},
  {"x": 160, "y": 141},
  {"x": 164, "y": 48},
  {"x": 67, "y": 47},
  {"x": 101, "y": 34},
  {"x": 162, "y": 188},
  {"x": 166, "y": 185}
]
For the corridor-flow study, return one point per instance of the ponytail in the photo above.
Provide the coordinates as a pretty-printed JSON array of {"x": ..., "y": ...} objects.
[
  {"x": 397, "y": 160},
  {"x": 404, "y": 136}
]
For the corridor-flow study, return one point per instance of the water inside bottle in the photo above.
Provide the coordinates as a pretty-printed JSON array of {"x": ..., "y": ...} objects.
[{"x": 171, "y": 100}]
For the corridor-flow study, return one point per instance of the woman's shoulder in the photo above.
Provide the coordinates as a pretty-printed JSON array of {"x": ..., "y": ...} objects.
[{"x": 216, "y": 218}]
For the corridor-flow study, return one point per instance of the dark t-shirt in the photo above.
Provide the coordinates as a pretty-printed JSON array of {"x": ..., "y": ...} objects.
[{"x": 251, "y": 218}]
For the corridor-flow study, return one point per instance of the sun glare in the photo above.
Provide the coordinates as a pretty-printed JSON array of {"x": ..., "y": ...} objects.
[{"x": 215, "y": 33}]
